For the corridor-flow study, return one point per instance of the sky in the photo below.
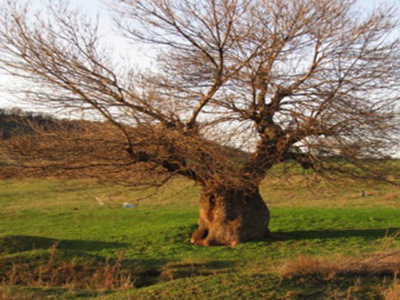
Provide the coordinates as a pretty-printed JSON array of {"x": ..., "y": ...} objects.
[{"x": 139, "y": 58}]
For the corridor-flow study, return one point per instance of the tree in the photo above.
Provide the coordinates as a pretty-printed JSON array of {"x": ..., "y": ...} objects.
[{"x": 308, "y": 81}]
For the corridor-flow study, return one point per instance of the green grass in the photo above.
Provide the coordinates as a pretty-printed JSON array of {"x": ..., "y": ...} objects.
[{"x": 151, "y": 242}]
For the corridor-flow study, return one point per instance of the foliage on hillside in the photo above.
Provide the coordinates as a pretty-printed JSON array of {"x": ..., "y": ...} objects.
[{"x": 15, "y": 122}]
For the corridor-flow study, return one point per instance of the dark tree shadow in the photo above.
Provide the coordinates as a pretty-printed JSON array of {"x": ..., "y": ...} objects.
[
  {"x": 145, "y": 272},
  {"x": 367, "y": 234},
  {"x": 20, "y": 243}
]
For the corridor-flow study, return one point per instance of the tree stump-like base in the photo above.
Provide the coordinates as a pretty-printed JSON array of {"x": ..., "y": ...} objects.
[{"x": 231, "y": 217}]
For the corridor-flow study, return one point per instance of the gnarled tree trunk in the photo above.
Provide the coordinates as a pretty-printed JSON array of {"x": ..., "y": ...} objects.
[{"x": 229, "y": 217}]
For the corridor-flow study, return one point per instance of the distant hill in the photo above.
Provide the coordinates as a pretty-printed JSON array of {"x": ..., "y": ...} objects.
[{"x": 15, "y": 122}]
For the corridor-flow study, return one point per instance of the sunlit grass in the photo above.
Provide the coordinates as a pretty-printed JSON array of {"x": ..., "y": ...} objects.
[{"x": 153, "y": 239}]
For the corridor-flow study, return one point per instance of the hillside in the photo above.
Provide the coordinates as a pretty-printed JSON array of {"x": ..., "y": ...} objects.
[{"x": 15, "y": 122}]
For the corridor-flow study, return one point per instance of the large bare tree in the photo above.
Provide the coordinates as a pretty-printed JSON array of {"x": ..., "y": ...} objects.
[{"x": 239, "y": 87}]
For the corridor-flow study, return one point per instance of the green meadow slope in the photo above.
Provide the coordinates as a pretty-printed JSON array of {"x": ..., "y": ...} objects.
[{"x": 58, "y": 242}]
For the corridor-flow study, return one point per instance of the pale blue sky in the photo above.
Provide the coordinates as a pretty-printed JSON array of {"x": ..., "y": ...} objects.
[{"x": 92, "y": 7}]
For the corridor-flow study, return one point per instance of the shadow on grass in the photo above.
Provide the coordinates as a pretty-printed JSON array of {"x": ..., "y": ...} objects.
[
  {"x": 73, "y": 255},
  {"x": 60, "y": 293},
  {"x": 20, "y": 243},
  {"x": 367, "y": 234}
]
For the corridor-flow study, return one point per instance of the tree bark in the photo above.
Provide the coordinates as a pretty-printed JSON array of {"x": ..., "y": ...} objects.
[{"x": 229, "y": 217}]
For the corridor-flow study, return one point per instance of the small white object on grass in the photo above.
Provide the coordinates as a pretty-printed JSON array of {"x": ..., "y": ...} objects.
[
  {"x": 128, "y": 205},
  {"x": 99, "y": 201}
]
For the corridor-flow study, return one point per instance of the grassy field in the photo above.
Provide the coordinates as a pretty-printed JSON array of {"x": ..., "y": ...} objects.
[{"x": 58, "y": 242}]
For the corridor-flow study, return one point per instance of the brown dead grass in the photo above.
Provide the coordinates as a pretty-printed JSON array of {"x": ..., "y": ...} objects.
[
  {"x": 69, "y": 273},
  {"x": 390, "y": 196},
  {"x": 385, "y": 265},
  {"x": 380, "y": 264},
  {"x": 393, "y": 292}
]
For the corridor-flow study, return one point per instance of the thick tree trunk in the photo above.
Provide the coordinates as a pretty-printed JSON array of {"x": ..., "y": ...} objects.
[{"x": 229, "y": 217}]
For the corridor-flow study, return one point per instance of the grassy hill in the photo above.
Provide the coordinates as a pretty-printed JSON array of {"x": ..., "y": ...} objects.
[{"x": 75, "y": 240}]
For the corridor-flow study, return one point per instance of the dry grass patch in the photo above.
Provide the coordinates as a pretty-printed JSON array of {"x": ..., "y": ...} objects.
[
  {"x": 380, "y": 264},
  {"x": 393, "y": 292},
  {"x": 53, "y": 270},
  {"x": 390, "y": 196}
]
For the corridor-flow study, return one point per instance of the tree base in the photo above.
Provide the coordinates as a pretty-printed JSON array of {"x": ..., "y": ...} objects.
[{"x": 231, "y": 217}]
